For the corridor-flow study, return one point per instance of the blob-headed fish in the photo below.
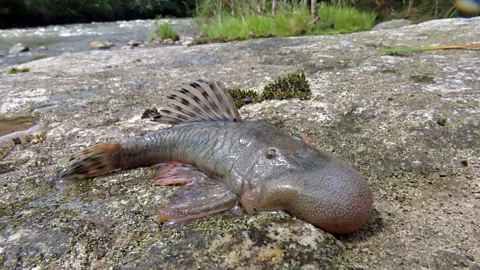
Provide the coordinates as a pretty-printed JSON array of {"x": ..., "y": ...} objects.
[{"x": 223, "y": 160}]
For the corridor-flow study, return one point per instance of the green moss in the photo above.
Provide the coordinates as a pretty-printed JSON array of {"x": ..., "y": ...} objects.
[
  {"x": 295, "y": 85},
  {"x": 418, "y": 78},
  {"x": 399, "y": 54},
  {"x": 442, "y": 121},
  {"x": 15, "y": 70},
  {"x": 242, "y": 97},
  {"x": 149, "y": 113},
  {"x": 386, "y": 71},
  {"x": 38, "y": 57}
]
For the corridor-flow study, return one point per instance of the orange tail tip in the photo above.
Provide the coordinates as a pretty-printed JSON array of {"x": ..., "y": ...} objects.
[{"x": 91, "y": 162}]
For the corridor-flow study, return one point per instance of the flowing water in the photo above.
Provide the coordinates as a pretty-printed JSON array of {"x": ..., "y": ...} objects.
[{"x": 77, "y": 37}]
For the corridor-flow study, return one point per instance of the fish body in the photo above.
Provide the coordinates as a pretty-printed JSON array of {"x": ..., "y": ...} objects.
[{"x": 223, "y": 161}]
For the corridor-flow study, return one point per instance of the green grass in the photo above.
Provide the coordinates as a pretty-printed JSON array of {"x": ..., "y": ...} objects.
[
  {"x": 281, "y": 25},
  {"x": 343, "y": 20},
  {"x": 290, "y": 22},
  {"x": 166, "y": 31}
]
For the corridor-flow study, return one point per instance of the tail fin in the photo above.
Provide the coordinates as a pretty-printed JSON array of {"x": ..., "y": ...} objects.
[{"x": 91, "y": 162}]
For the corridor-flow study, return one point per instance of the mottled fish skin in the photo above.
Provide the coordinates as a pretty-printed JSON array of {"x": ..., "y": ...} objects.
[{"x": 253, "y": 162}]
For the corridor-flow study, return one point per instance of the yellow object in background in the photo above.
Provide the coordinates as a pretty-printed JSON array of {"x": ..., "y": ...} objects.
[{"x": 467, "y": 8}]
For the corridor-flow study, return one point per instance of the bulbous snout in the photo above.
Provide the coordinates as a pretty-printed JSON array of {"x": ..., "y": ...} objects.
[
  {"x": 326, "y": 193},
  {"x": 336, "y": 199}
]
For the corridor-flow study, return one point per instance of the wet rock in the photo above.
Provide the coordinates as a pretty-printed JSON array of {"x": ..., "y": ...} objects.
[
  {"x": 168, "y": 41},
  {"x": 42, "y": 48},
  {"x": 101, "y": 45},
  {"x": 157, "y": 41},
  {"x": 187, "y": 41},
  {"x": 264, "y": 241},
  {"x": 133, "y": 43},
  {"x": 19, "y": 47},
  {"x": 393, "y": 24}
]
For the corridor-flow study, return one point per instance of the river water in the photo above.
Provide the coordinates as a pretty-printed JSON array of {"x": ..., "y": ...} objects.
[{"x": 77, "y": 37}]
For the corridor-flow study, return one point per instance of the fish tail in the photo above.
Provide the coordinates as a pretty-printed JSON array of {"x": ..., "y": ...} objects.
[
  {"x": 108, "y": 157},
  {"x": 94, "y": 161}
]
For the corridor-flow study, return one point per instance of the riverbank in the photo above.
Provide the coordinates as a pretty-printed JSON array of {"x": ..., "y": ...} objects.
[
  {"x": 408, "y": 122},
  {"x": 57, "y": 39}
]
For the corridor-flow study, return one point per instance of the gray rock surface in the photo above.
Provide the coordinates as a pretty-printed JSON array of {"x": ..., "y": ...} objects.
[
  {"x": 393, "y": 24},
  {"x": 409, "y": 123}
]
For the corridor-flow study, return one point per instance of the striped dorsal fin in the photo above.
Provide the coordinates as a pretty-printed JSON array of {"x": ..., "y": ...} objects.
[{"x": 199, "y": 101}]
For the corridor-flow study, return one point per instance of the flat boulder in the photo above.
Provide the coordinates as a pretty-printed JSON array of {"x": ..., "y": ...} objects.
[{"x": 393, "y": 24}]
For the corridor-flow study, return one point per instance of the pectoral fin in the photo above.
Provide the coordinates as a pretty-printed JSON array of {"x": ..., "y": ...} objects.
[
  {"x": 199, "y": 198},
  {"x": 172, "y": 173}
]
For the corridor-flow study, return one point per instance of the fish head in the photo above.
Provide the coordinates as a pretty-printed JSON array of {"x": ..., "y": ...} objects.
[{"x": 310, "y": 184}]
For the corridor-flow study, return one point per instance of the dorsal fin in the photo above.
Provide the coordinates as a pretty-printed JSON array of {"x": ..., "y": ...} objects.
[{"x": 199, "y": 101}]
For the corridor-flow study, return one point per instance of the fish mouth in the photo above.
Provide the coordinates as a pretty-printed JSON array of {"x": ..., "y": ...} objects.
[{"x": 249, "y": 202}]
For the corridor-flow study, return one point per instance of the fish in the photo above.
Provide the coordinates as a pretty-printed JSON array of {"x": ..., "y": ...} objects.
[{"x": 222, "y": 160}]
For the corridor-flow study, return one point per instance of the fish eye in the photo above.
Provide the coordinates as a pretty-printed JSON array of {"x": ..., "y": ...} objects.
[{"x": 271, "y": 153}]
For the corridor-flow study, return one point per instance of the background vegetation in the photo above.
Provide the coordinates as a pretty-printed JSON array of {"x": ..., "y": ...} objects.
[
  {"x": 417, "y": 10},
  {"x": 290, "y": 19},
  {"x": 20, "y": 13}
]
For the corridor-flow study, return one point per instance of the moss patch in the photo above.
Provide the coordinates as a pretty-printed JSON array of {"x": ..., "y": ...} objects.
[
  {"x": 242, "y": 97},
  {"x": 38, "y": 57},
  {"x": 399, "y": 54},
  {"x": 442, "y": 122},
  {"x": 418, "y": 78},
  {"x": 295, "y": 85},
  {"x": 15, "y": 70},
  {"x": 149, "y": 113}
]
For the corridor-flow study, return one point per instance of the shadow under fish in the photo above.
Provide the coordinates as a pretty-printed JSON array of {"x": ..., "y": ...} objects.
[{"x": 223, "y": 161}]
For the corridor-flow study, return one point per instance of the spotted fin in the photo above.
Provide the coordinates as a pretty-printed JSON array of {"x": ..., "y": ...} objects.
[
  {"x": 91, "y": 162},
  {"x": 199, "y": 101},
  {"x": 201, "y": 196}
]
